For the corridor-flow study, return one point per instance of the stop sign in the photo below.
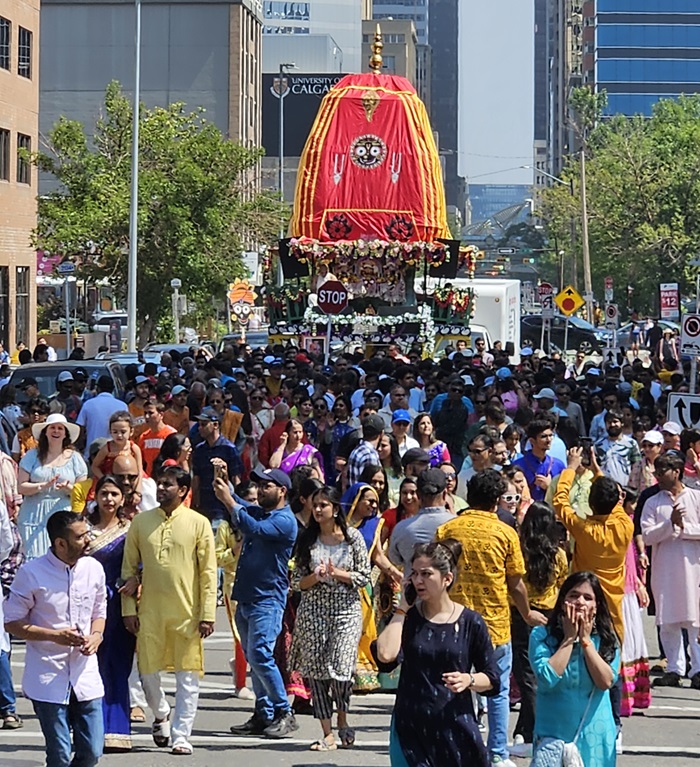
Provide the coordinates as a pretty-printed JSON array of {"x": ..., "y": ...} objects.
[{"x": 332, "y": 297}]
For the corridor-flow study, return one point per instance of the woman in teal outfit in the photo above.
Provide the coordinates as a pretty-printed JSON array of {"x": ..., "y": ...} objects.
[{"x": 576, "y": 659}]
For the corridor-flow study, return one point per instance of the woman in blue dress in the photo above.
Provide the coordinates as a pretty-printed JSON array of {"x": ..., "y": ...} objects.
[
  {"x": 576, "y": 659},
  {"x": 115, "y": 654}
]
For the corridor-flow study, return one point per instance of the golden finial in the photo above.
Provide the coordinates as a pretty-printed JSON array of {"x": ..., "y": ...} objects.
[{"x": 375, "y": 60}]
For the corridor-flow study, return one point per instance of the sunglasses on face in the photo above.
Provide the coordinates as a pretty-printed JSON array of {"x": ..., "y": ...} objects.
[
  {"x": 256, "y": 398},
  {"x": 477, "y": 450},
  {"x": 510, "y": 498},
  {"x": 132, "y": 477},
  {"x": 451, "y": 475}
]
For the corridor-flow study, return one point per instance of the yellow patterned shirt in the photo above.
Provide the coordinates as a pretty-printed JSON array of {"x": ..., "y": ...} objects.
[{"x": 490, "y": 553}]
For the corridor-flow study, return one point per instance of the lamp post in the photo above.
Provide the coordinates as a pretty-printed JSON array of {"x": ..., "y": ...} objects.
[
  {"x": 283, "y": 71},
  {"x": 176, "y": 285},
  {"x": 133, "y": 209}
]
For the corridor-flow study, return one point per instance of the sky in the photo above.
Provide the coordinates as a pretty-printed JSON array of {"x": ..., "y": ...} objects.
[{"x": 496, "y": 90}]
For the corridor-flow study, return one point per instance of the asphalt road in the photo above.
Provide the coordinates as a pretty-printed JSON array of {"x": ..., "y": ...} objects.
[{"x": 667, "y": 735}]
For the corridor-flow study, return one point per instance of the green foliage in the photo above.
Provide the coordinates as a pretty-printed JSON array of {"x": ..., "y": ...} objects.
[
  {"x": 199, "y": 206},
  {"x": 643, "y": 179}
]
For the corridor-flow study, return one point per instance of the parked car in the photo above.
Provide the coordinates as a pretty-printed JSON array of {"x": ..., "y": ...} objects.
[
  {"x": 130, "y": 358},
  {"x": 254, "y": 339},
  {"x": 582, "y": 335},
  {"x": 102, "y": 320},
  {"x": 624, "y": 332},
  {"x": 46, "y": 373},
  {"x": 183, "y": 349}
]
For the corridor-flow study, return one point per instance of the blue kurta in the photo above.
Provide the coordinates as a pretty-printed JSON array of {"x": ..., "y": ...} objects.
[{"x": 562, "y": 701}]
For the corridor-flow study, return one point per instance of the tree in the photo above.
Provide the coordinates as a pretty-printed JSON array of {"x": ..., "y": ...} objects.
[
  {"x": 643, "y": 190},
  {"x": 198, "y": 204}
]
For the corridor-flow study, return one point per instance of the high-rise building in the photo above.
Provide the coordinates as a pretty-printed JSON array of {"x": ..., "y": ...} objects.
[
  {"x": 19, "y": 130},
  {"x": 205, "y": 53},
  {"x": 416, "y": 11},
  {"x": 340, "y": 19},
  {"x": 443, "y": 38}
]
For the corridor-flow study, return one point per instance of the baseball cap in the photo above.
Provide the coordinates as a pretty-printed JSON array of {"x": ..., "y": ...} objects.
[
  {"x": 526, "y": 351},
  {"x": 214, "y": 383},
  {"x": 401, "y": 415},
  {"x": 593, "y": 372},
  {"x": 625, "y": 388},
  {"x": 468, "y": 380},
  {"x": 178, "y": 389},
  {"x": 545, "y": 393},
  {"x": 66, "y": 375},
  {"x": 503, "y": 373},
  {"x": 432, "y": 481},
  {"x": 372, "y": 426},
  {"x": 276, "y": 361},
  {"x": 415, "y": 455},
  {"x": 142, "y": 379},
  {"x": 80, "y": 373},
  {"x": 670, "y": 427},
  {"x": 209, "y": 415},
  {"x": 655, "y": 437},
  {"x": 272, "y": 475},
  {"x": 25, "y": 382}
]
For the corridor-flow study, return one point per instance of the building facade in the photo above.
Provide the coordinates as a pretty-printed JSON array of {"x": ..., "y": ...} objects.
[
  {"x": 416, "y": 11},
  {"x": 400, "y": 46},
  {"x": 203, "y": 53},
  {"x": 19, "y": 130},
  {"x": 340, "y": 19}
]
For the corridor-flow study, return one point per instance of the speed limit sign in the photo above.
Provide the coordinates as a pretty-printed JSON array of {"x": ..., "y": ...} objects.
[
  {"x": 690, "y": 335},
  {"x": 612, "y": 317}
]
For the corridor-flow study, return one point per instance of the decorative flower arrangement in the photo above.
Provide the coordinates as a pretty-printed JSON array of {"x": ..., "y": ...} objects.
[
  {"x": 294, "y": 293},
  {"x": 459, "y": 300},
  {"x": 307, "y": 250}
]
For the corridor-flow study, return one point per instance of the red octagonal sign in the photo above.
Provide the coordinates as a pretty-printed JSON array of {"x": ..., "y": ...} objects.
[{"x": 332, "y": 297}]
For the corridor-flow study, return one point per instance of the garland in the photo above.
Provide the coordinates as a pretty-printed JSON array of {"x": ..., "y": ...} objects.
[
  {"x": 306, "y": 250},
  {"x": 277, "y": 296},
  {"x": 460, "y": 300}
]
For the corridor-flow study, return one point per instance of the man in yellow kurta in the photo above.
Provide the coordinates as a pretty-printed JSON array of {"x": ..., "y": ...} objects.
[
  {"x": 602, "y": 539},
  {"x": 174, "y": 546}
]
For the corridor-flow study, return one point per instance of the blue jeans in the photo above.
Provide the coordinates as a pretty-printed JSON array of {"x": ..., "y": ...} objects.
[
  {"x": 499, "y": 705},
  {"x": 84, "y": 718},
  {"x": 7, "y": 691},
  {"x": 259, "y": 625}
]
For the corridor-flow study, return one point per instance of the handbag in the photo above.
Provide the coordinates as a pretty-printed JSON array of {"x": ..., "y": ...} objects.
[{"x": 555, "y": 752}]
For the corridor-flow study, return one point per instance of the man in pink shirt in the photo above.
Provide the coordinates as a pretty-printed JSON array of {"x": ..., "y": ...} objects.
[{"x": 57, "y": 603}]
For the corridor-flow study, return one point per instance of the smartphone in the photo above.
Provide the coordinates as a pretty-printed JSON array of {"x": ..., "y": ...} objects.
[
  {"x": 587, "y": 446},
  {"x": 410, "y": 593},
  {"x": 119, "y": 583},
  {"x": 220, "y": 473}
]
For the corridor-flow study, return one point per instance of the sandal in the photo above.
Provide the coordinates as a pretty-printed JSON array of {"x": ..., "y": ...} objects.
[
  {"x": 323, "y": 745},
  {"x": 137, "y": 714},
  {"x": 11, "y": 721},
  {"x": 161, "y": 733},
  {"x": 347, "y": 736},
  {"x": 182, "y": 748}
]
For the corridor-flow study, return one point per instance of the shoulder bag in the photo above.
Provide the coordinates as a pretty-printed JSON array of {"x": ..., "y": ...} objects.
[{"x": 555, "y": 752}]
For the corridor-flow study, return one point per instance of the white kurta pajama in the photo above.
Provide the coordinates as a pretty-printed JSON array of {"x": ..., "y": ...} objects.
[{"x": 675, "y": 573}]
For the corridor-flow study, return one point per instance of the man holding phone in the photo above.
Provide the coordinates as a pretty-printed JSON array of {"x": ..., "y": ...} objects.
[{"x": 537, "y": 465}]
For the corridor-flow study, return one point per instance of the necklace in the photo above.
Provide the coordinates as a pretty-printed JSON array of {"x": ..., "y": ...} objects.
[{"x": 449, "y": 620}]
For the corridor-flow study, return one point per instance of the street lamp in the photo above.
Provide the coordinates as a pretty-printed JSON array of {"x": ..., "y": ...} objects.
[
  {"x": 176, "y": 285},
  {"x": 283, "y": 71},
  {"x": 134, "y": 204}
]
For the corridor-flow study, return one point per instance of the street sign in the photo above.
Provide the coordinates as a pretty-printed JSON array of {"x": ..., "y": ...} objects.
[
  {"x": 332, "y": 297},
  {"x": 612, "y": 317},
  {"x": 507, "y": 251},
  {"x": 608, "y": 290},
  {"x": 684, "y": 409},
  {"x": 690, "y": 335},
  {"x": 669, "y": 300},
  {"x": 547, "y": 304},
  {"x": 608, "y": 283},
  {"x": 544, "y": 289},
  {"x": 569, "y": 300},
  {"x": 609, "y": 356},
  {"x": 66, "y": 267}
]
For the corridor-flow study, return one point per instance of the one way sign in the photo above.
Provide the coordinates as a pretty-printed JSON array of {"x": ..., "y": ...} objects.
[{"x": 684, "y": 409}]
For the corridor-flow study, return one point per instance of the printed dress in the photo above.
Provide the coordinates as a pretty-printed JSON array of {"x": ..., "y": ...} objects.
[{"x": 329, "y": 619}]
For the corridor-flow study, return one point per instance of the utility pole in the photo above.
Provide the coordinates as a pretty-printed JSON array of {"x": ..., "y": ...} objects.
[{"x": 587, "y": 281}]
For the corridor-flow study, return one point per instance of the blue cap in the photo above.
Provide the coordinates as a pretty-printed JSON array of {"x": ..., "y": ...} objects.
[
  {"x": 272, "y": 475},
  {"x": 593, "y": 372},
  {"x": 526, "y": 351},
  {"x": 208, "y": 415},
  {"x": 401, "y": 415},
  {"x": 503, "y": 373}
]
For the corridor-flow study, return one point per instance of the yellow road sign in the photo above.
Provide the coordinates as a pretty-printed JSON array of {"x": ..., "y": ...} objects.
[{"x": 569, "y": 300}]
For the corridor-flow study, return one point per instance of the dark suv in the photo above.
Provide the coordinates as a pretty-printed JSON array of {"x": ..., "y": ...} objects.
[
  {"x": 46, "y": 373},
  {"x": 582, "y": 335}
]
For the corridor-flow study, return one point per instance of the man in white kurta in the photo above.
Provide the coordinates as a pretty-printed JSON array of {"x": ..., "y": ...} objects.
[
  {"x": 671, "y": 526},
  {"x": 174, "y": 546}
]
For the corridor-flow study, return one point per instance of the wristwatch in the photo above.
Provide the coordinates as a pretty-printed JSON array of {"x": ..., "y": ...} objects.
[{"x": 472, "y": 681}]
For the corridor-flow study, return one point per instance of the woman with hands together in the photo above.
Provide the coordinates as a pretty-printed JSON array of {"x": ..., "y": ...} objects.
[
  {"x": 446, "y": 654},
  {"x": 576, "y": 659}
]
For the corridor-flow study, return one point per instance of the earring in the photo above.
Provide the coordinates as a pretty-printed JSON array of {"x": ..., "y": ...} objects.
[{"x": 335, "y": 516}]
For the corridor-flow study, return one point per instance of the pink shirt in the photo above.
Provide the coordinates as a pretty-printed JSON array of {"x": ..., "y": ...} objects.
[{"x": 46, "y": 592}]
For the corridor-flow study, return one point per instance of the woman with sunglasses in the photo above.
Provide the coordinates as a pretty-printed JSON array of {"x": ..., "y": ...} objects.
[
  {"x": 36, "y": 410},
  {"x": 515, "y": 475},
  {"x": 508, "y": 505},
  {"x": 454, "y": 503},
  {"x": 546, "y": 568}
]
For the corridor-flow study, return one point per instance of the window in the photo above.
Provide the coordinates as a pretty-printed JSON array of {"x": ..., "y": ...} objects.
[
  {"x": 5, "y": 42},
  {"x": 24, "y": 54},
  {"x": 4, "y": 155},
  {"x": 24, "y": 169},
  {"x": 4, "y": 304},
  {"x": 22, "y": 304}
]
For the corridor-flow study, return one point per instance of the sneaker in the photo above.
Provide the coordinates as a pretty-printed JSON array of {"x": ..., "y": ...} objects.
[
  {"x": 244, "y": 693},
  {"x": 669, "y": 679},
  {"x": 499, "y": 761},
  {"x": 282, "y": 725},
  {"x": 695, "y": 681},
  {"x": 618, "y": 743},
  {"x": 520, "y": 748},
  {"x": 256, "y": 725}
]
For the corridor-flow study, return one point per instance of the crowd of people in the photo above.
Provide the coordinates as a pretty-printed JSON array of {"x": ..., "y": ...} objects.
[{"x": 474, "y": 534}]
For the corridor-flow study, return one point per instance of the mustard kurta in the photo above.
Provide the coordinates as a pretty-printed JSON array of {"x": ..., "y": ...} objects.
[
  {"x": 601, "y": 545},
  {"x": 178, "y": 587}
]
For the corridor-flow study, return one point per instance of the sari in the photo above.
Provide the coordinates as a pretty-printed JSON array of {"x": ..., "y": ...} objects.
[
  {"x": 366, "y": 674},
  {"x": 302, "y": 456},
  {"x": 116, "y": 652}
]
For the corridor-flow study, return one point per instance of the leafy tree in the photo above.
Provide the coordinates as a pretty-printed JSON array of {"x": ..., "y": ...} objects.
[
  {"x": 643, "y": 179},
  {"x": 198, "y": 204}
]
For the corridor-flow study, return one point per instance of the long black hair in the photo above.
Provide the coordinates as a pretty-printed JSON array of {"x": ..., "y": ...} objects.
[
  {"x": 400, "y": 511},
  {"x": 306, "y": 488},
  {"x": 308, "y": 537},
  {"x": 93, "y": 517},
  {"x": 539, "y": 541},
  {"x": 169, "y": 450},
  {"x": 603, "y": 625},
  {"x": 367, "y": 476}
]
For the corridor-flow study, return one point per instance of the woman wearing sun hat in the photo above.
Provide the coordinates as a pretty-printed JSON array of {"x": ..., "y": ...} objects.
[{"x": 46, "y": 478}]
